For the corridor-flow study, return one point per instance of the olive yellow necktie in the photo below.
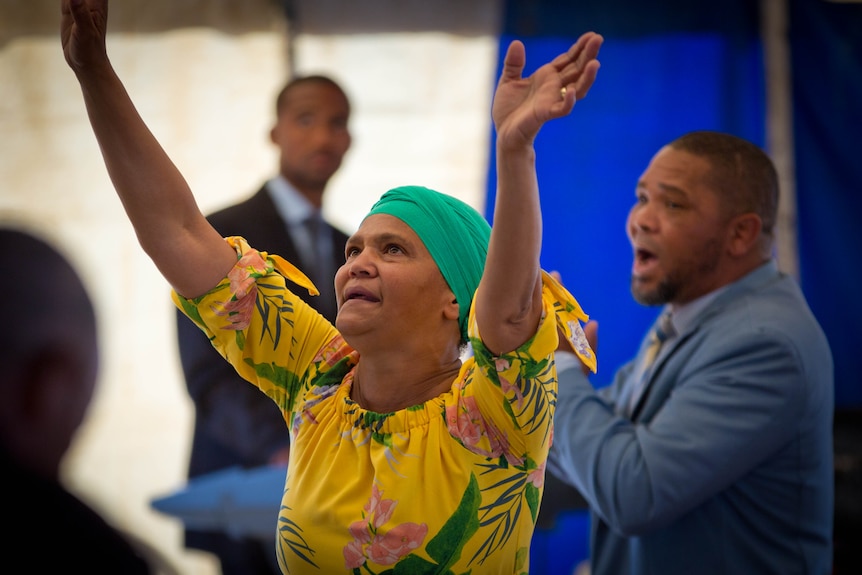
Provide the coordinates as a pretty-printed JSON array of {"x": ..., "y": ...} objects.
[{"x": 661, "y": 332}]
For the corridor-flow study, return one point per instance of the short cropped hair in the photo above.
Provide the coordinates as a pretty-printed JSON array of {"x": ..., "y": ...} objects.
[
  {"x": 281, "y": 99},
  {"x": 44, "y": 298},
  {"x": 742, "y": 174}
]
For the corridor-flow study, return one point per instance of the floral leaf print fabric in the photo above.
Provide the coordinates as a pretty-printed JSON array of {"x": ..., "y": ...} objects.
[
  {"x": 450, "y": 486},
  {"x": 376, "y": 542},
  {"x": 396, "y": 546}
]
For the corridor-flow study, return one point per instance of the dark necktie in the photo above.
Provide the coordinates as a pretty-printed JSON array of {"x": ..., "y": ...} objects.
[
  {"x": 317, "y": 260},
  {"x": 661, "y": 332},
  {"x": 312, "y": 227}
]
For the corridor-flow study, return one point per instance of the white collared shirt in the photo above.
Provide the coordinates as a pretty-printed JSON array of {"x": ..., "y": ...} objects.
[{"x": 295, "y": 209}]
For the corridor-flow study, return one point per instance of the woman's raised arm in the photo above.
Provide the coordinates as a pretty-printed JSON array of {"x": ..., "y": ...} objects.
[
  {"x": 170, "y": 227},
  {"x": 509, "y": 304}
]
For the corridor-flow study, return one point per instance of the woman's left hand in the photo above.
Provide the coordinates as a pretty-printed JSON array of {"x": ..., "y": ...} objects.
[{"x": 522, "y": 105}]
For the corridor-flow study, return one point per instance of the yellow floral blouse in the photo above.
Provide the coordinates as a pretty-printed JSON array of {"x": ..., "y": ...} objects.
[{"x": 449, "y": 486}]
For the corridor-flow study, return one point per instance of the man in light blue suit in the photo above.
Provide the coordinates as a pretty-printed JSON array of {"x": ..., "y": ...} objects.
[{"x": 711, "y": 451}]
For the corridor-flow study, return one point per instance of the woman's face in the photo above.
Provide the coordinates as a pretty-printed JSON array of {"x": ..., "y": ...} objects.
[{"x": 390, "y": 286}]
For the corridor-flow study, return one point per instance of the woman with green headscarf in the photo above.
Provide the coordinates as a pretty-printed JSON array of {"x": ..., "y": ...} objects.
[{"x": 404, "y": 457}]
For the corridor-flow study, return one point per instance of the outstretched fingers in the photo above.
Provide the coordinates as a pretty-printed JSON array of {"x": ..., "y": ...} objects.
[
  {"x": 578, "y": 66},
  {"x": 523, "y": 104}
]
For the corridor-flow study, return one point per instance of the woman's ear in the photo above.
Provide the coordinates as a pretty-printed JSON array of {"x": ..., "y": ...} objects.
[{"x": 452, "y": 309}]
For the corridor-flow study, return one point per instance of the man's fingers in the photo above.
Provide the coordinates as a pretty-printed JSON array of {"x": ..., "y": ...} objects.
[{"x": 591, "y": 332}]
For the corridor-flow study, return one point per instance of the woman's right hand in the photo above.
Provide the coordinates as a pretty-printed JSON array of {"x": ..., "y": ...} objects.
[{"x": 83, "y": 28}]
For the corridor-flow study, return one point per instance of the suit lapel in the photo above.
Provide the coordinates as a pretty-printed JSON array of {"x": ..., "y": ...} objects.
[{"x": 661, "y": 381}]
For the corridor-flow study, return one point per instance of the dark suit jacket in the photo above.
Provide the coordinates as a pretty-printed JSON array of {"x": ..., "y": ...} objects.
[
  {"x": 236, "y": 424},
  {"x": 50, "y": 530}
]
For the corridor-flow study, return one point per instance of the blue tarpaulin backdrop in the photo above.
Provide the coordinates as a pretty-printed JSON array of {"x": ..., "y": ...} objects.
[
  {"x": 676, "y": 66},
  {"x": 826, "y": 55},
  {"x": 672, "y": 67}
]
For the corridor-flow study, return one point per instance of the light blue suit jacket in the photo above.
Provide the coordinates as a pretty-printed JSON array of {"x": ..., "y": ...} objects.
[{"x": 726, "y": 465}]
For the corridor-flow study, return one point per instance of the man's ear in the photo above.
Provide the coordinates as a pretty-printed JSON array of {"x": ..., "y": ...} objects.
[
  {"x": 744, "y": 234},
  {"x": 55, "y": 385}
]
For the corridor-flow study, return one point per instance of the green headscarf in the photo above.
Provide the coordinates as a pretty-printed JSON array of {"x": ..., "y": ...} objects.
[{"x": 454, "y": 233}]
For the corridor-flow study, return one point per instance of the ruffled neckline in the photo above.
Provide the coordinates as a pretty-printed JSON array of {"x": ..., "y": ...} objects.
[{"x": 400, "y": 421}]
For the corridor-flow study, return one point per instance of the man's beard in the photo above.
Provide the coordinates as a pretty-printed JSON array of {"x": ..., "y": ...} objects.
[
  {"x": 664, "y": 293},
  {"x": 674, "y": 285}
]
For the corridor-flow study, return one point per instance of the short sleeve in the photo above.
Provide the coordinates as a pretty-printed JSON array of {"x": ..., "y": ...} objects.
[
  {"x": 251, "y": 318},
  {"x": 516, "y": 392}
]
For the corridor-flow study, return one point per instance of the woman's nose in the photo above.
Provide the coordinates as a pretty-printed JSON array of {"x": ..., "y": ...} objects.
[{"x": 360, "y": 264}]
